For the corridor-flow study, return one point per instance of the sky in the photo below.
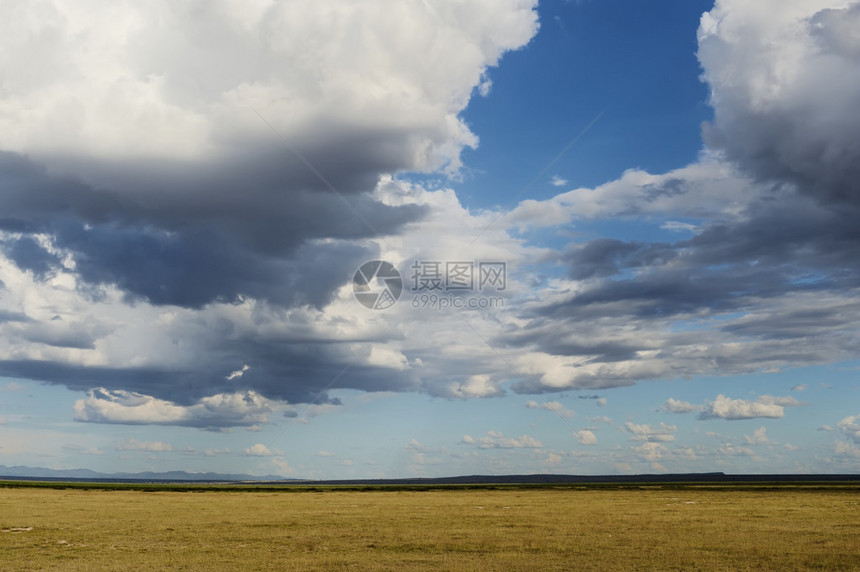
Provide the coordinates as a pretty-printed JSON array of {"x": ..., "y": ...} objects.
[{"x": 329, "y": 239}]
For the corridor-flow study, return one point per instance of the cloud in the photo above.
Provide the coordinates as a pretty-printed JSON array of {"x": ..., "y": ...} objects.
[
  {"x": 759, "y": 437},
  {"x": 151, "y": 446},
  {"x": 480, "y": 385},
  {"x": 663, "y": 433},
  {"x": 770, "y": 115},
  {"x": 765, "y": 406},
  {"x": 157, "y": 265},
  {"x": 678, "y": 226},
  {"x": 850, "y": 427},
  {"x": 557, "y": 181},
  {"x": 843, "y": 449},
  {"x": 676, "y": 406},
  {"x": 259, "y": 450},
  {"x": 208, "y": 178},
  {"x": 768, "y": 278},
  {"x": 586, "y": 437},
  {"x": 651, "y": 451},
  {"x": 709, "y": 188},
  {"x": 495, "y": 440},
  {"x": 729, "y": 450},
  {"x": 553, "y": 406},
  {"x": 238, "y": 373},
  {"x": 129, "y": 408},
  {"x": 799, "y": 387}
]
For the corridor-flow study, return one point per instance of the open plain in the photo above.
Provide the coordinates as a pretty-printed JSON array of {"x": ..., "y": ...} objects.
[{"x": 660, "y": 527}]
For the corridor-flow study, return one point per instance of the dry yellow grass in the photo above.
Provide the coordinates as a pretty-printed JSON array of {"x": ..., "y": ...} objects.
[{"x": 523, "y": 529}]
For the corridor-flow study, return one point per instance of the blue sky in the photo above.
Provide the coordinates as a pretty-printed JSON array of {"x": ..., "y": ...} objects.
[{"x": 186, "y": 194}]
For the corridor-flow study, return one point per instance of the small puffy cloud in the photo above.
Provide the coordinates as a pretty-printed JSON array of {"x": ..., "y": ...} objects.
[
  {"x": 258, "y": 450},
  {"x": 238, "y": 373},
  {"x": 496, "y": 440},
  {"x": 765, "y": 406},
  {"x": 479, "y": 385},
  {"x": 324, "y": 454},
  {"x": 825, "y": 428},
  {"x": 850, "y": 427},
  {"x": 759, "y": 437},
  {"x": 664, "y": 433},
  {"x": 677, "y": 406},
  {"x": 553, "y": 459},
  {"x": 799, "y": 387},
  {"x": 586, "y": 437},
  {"x": 554, "y": 406},
  {"x": 602, "y": 419},
  {"x": 151, "y": 446},
  {"x": 650, "y": 451},
  {"x": 557, "y": 181}
]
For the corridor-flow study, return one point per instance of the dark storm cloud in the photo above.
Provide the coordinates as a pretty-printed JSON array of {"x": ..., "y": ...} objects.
[
  {"x": 194, "y": 238},
  {"x": 160, "y": 161},
  {"x": 28, "y": 254},
  {"x": 295, "y": 373}
]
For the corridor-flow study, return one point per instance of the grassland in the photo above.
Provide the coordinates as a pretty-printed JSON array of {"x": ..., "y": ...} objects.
[{"x": 692, "y": 527}]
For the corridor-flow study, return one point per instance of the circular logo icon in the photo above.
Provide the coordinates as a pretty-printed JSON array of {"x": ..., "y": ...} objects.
[{"x": 377, "y": 285}]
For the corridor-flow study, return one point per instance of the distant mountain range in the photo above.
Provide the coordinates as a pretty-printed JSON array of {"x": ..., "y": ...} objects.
[
  {"x": 39, "y": 473},
  {"x": 21, "y": 471}
]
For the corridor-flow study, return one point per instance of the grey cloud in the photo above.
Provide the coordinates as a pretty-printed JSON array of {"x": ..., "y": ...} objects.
[
  {"x": 792, "y": 130},
  {"x": 216, "y": 239},
  {"x": 28, "y": 254}
]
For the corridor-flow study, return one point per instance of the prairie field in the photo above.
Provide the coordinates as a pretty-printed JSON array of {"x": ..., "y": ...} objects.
[{"x": 444, "y": 528}]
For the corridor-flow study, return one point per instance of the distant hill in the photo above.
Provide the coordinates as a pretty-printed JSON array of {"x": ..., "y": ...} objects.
[{"x": 21, "y": 471}]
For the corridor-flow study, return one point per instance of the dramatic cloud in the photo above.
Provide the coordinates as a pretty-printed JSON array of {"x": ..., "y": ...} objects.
[
  {"x": 766, "y": 69},
  {"x": 764, "y": 274},
  {"x": 189, "y": 186},
  {"x": 186, "y": 192}
]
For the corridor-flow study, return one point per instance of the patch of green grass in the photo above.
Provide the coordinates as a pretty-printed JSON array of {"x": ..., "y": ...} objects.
[{"x": 447, "y": 528}]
